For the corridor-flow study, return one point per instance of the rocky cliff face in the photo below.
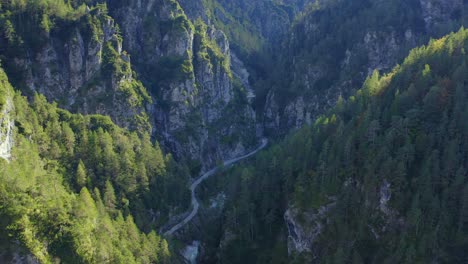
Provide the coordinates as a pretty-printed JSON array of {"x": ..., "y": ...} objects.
[
  {"x": 200, "y": 102},
  {"x": 322, "y": 65},
  {"x": 438, "y": 13},
  {"x": 17, "y": 256},
  {"x": 82, "y": 67},
  {"x": 6, "y": 128},
  {"x": 202, "y": 110},
  {"x": 380, "y": 51},
  {"x": 304, "y": 228},
  {"x": 250, "y": 25}
]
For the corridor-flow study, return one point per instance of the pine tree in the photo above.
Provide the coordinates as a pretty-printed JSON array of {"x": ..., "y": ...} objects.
[
  {"x": 110, "y": 200},
  {"x": 81, "y": 178},
  {"x": 68, "y": 138},
  {"x": 164, "y": 254}
]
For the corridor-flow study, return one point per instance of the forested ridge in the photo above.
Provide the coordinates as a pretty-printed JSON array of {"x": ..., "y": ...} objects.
[
  {"x": 109, "y": 110},
  {"x": 66, "y": 191},
  {"x": 386, "y": 168},
  {"x": 333, "y": 46},
  {"x": 79, "y": 188}
]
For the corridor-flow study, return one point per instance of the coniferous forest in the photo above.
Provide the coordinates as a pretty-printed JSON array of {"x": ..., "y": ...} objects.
[{"x": 214, "y": 131}]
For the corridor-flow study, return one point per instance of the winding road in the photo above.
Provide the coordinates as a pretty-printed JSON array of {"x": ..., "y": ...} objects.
[{"x": 193, "y": 187}]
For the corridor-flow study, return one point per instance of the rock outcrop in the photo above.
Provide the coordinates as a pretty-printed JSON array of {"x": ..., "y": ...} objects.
[
  {"x": 83, "y": 69},
  {"x": 6, "y": 129},
  {"x": 190, "y": 252},
  {"x": 17, "y": 255},
  {"x": 315, "y": 81},
  {"x": 305, "y": 227},
  {"x": 201, "y": 99},
  {"x": 437, "y": 13},
  {"x": 251, "y": 25},
  {"x": 198, "y": 103},
  {"x": 392, "y": 219}
]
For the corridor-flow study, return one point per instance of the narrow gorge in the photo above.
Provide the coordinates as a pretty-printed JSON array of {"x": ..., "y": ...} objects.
[{"x": 233, "y": 131}]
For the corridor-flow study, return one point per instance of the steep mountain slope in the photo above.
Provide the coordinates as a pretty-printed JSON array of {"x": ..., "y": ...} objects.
[
  {"x": 250, "y": 25},
  {"x": 381, "y": 178},
  {"x": 72, "y": 56},
  {"x": 198, "y": 104},
  {"x": 335, "y": 45},
  {"x": 54, "y": 159},
  {"x": 256, "y": 30},
  {"x": 77, "y": 55},
  {"x": 202, "y": 109}
]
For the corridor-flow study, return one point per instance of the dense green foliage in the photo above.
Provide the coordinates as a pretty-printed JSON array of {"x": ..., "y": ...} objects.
[
  {"x": 75, "y": 184},
  {"x": 69, "y": 10},
  {"x": 44, "y": 15},
  {"x": 334, "y": 44},
  {"x": 386, "y": 167},
  {"x": 408, "y": 129}
]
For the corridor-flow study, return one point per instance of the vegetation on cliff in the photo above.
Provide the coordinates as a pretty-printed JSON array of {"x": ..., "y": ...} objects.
[
  {"x": 77, "y": 184},
  {"x": 406, "y": 129}
]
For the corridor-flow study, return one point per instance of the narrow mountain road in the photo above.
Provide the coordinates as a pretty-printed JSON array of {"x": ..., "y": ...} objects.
[{"x": 193, "y": 187}]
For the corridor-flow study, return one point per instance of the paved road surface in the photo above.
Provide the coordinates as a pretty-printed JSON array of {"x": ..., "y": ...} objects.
[{"x": 193, "y": 187}]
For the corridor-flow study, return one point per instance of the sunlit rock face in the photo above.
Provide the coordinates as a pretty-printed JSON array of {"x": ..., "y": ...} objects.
[
  {"x": 73, "y": 69},
  {"x": 6, "y": 129},
  {"x": 202, "y": 110}
]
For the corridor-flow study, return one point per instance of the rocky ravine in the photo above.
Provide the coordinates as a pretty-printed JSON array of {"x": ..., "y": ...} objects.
[{"x": 195, "y": 203}]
